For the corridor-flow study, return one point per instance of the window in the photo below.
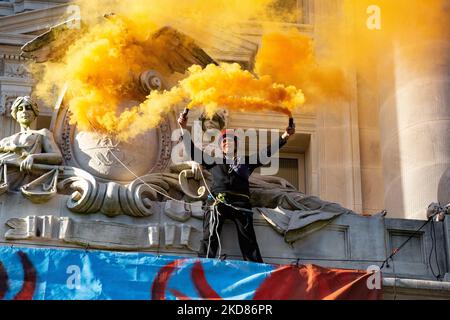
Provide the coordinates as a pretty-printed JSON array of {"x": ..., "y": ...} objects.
[
  {"x": 292, "y": 168},
  {"x": 289, "y": 171}
]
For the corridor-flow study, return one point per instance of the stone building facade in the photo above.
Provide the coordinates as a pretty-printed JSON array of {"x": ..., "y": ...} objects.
[{"x": 386, "y": 148}]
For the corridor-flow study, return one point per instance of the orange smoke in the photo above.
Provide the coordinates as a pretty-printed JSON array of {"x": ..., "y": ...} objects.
[
  {"x": 230, "y": 86},
  {"x": 211, "y": 88},
  {"x": 101, "y": 67},
  {"x": 289, "y": 57}
]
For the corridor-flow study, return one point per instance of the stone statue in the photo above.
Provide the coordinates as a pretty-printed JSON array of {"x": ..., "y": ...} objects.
[{"x": 22, "y": 150}]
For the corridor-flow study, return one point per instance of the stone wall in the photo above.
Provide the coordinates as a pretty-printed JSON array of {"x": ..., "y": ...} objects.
[{"x": 350, "y": 241}]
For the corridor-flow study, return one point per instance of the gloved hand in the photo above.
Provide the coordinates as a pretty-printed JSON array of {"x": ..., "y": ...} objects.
[
  {"x": 182, "y": 120},
  {"x": 289, "y": 132}
]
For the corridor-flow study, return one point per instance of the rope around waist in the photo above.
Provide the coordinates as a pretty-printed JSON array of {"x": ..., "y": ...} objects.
[
  {"x": 221, "y": 198},
  {"x": 232, "y": 195}
]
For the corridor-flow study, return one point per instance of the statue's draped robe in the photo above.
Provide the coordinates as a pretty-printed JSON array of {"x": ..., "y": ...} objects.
[
  {"x": 290, "y": 212},
  {"x": 31, "y": 143}
]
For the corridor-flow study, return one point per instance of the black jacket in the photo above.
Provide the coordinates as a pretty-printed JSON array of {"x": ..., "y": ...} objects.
[{"x": 230, "y": 175}]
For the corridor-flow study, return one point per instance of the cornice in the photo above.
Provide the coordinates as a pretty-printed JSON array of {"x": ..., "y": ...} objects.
[
  {"x": 32, "y": 21},
  {"x": 15, "y": 39}
]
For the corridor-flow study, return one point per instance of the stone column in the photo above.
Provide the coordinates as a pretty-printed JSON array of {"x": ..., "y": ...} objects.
[
  {"x": 415, "y": 125},
  {"x": 338, "y": 161}
]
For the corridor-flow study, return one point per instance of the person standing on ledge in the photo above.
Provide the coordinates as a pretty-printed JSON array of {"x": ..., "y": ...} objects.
[{"x": 231, "y": 192}]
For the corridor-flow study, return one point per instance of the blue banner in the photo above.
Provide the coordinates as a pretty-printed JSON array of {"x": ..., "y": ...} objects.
[
  {"x": 71, "y": 274},
  {"x": 40, "y": 273}
]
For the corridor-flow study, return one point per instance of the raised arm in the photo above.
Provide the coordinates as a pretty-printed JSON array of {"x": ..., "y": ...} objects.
[
  {"x": 195, "y": 153},
  {"x": 263, "y": 156}
]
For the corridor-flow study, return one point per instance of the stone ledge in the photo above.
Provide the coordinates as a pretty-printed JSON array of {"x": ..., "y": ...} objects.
[{"x": 396, "y": 288}]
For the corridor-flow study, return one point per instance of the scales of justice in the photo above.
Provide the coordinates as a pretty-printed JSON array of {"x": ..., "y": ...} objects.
[{"x": 65, "y": 187}]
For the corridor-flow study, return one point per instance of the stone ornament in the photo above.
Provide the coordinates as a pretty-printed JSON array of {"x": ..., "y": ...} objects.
[
  {"x": 43, "y": 188},
  {"x": 7, "y": 100},
  {"x": 183, "y": 211},
  {"x": 87, "y": 195},
  {"x": 104, "y": 157},
  {"x": 16, "y": 70},
  {"x": 102, "y": 234},
  {"x": 185, "y": 179}
]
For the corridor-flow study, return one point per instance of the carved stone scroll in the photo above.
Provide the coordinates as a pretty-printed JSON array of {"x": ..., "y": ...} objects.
[
  {"x": 193, "y": 189},
  {"x": 87, "y": 195}
]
